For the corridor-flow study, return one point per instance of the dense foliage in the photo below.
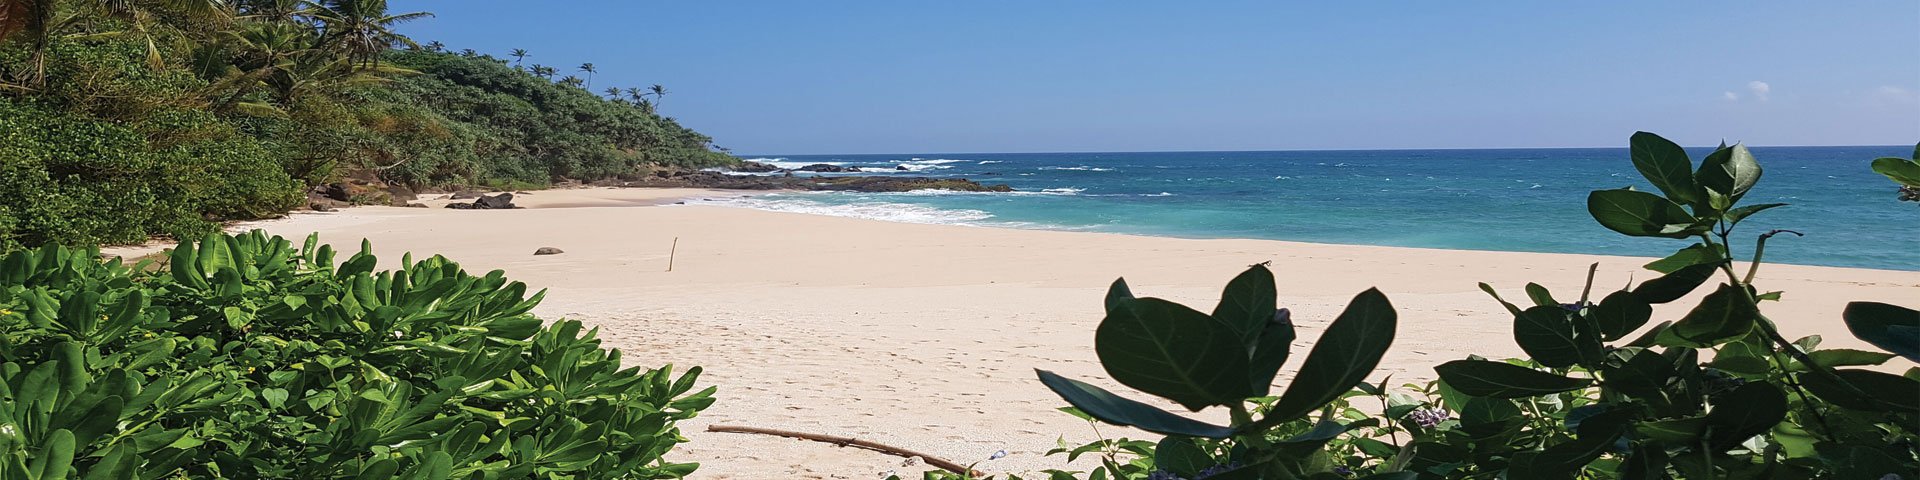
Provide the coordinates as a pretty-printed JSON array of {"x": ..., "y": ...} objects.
[
  {"x": 127, "y": 119},
  {"x": 249, "y": 357},
  {"x": 1717, "y": 393}
]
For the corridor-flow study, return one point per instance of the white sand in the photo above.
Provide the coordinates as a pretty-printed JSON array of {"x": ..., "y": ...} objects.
[{"x": 926, "y": 336}]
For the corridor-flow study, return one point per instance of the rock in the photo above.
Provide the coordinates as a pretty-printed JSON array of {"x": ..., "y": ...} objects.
[
  {"x": 416, "y": 205},
  {"x": 321, "y": 207},
  {"x": 359, "y": 193},
  {"x": 756, "y": 167},
  {"x": 548, "y": 251},
  {"x": 823, "y": 168},
  {"x": 502, "y": 201},
  {"x": 465, "y": 195},
  {"x": 902, "y": 168},
  {"x": 400, "y": 195}
]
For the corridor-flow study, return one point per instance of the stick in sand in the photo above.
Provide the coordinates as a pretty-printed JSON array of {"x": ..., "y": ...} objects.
[
  {"x": 849, "y": 441},
  {"x": 670, "y": 253}
]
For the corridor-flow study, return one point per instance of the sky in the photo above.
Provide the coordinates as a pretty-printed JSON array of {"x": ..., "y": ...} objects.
[{"x": 905, "y": 76}]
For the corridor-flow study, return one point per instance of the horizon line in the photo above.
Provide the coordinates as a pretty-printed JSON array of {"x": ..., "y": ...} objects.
[{"x": 746, "y": 156}]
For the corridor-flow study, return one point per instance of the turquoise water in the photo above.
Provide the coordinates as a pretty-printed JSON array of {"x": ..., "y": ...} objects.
[{"x": 1516, "y": 200}]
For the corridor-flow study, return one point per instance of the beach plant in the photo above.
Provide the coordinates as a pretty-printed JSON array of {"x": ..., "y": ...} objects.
[
  {"x": 1904, "y": 171},
  {"x": 249, "y": 357},
  {"x": 1718, "y": 393},
  {"x": 1227, "y": 359}
]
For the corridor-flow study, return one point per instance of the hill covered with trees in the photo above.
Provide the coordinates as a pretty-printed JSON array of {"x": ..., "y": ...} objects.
[{"x": 123, "y": 120}]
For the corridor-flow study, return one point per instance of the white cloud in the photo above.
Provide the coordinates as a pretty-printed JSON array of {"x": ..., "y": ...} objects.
[
  {"x": 1760, "y": 89},
  {"x": 1730, "y": 96}
]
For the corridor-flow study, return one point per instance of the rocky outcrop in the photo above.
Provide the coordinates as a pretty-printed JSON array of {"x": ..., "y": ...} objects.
[
  {"x": 827, "y": 168},
  {"x": 503, "y": 201},
  {"x": 756, "y": 167}
]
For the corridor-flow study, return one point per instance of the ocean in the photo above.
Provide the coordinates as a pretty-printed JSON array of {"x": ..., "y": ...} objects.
[{"x": 1530, "y": 200}]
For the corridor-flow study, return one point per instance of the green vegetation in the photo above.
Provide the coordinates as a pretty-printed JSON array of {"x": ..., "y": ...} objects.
[
  {"x": 249, "y": 357},
  {"x": 1903, "y": 171},
  {"x": 1717, "y": 393},
  {"x": 128, "y": 119}
]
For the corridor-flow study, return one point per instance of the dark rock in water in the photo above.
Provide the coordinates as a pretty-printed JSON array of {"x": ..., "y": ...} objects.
[
  {"x": 823, "y": 168},
  {"x": 756, "y": 167},
  {"x": 465, "y": 195},
  {"x": 548, "y": 251},
  {"x": 902, "y": 168},
  {"x": 853, "y": 169},
  {"x": 502, "y": 201}
]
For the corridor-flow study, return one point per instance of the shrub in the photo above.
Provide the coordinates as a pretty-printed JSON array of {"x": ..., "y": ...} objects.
[{"x": 248, "y": 357}]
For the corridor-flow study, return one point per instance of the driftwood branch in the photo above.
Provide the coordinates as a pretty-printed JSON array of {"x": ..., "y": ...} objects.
[{"x": 852, "y": 442}]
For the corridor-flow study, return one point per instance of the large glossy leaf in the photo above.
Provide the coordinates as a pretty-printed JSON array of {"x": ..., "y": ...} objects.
[
  {"x": 1113, "y": 409},
  {"x": 1695, "y": 255},
  {"x": 1597, "y": 435},
  {"x": 1181, "y": 456},
  {"x": 1664, "y": 164},
  {"x": 1271, "y": 352},
  {"x": 1346, "y": 353},
  {"x": 1728, "y": 173},
  {"x": 1483, "y": 378},
  {"x": 1118, "y": 293},
  {"x": 1171, "y": 351},
  {"x": 1641, "y": 214},
  {"x": 1642, "y": 375},
  {"x": 1546, "y": 333},
  {"x": 1907, "y": 172},
  {"x": 1893, "y": 328},
  {"x": 1247, "y": 304},
  {"x": 1736, "y": 215},
  {"x": 1724, "y": 315},
  {"x": 1674, "y": 285},
  {"x": 1748, "y": 410},
  {"x": 1876, "y": 391},
  {"x": 1619, "y": 314}
]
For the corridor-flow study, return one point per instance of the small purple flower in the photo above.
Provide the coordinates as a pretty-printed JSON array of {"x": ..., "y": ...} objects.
[
  {"x": 1428, "y": 417},
  {"x": 1343, "y": 471},
  {"x": 1216, "y": 470}
]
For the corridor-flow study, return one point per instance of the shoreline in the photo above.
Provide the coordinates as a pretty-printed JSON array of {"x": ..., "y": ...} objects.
[{"x": 925, "y": 336}]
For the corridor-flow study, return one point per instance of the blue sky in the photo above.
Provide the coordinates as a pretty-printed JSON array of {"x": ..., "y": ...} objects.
[{"x": 902, "y": 76}]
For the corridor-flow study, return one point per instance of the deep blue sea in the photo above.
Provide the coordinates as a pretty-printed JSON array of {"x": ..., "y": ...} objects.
[{"x": 1512, "y": 199}]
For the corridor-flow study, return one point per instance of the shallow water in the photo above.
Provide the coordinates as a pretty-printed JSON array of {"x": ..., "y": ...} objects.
[{"x": 1515, "y": 200}]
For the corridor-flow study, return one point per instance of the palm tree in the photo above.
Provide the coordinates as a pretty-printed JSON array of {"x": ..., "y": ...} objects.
[
  {"x": 613, "y": 93},
  {"x": 362, "y": 29},
  {"x": 659, "y": 93},
  {"x": 542, "y": 71},
  {"x": 518, "y": 55},
  {"x": 436, "y": 47},
  {"x": 572, "y": 81},
  {"x": 588, "y": 67},
  {"x": 637, "y": 95},
  {"x": 469, "y": 53}
]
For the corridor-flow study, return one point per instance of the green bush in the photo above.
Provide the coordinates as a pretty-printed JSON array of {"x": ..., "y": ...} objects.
[{"x": 249, "y": 357}]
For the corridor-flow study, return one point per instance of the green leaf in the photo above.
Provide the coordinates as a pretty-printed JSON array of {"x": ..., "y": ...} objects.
[
  {"x": 1893, "y": 328},
  {"x": 1620, "y": 314},
  {"x": 1597, "y": 435},
  {"x": 1906, "y": 172},
  {"x": 1664, "y": 164},
  {"x": 1735, "y": 216},
  {"x": 1482, "y": 378},
  {"x": 1346, "y": 353},
  {"x": 1646, "y": 462},
  {"x": 1642, "y": 376},
  {"x": 1674, "y": 285},
  {"x": 1847, "y": 357},
  {"x": 1271, "y": 352},
  {"x": 1113, "y": 409},
  {"x": 1748, "y": 410},
  {"x": 1882, "y": 391},
  {"x": 1641, "y": 214},
  {"x": 1546, "y": 333},
  {"x": 1117, "y": 294},
  {"x": 1181, "y": 456},
  {"x": 1247, "y": 304},
  {"x": 1730, "y": 172},
  {"x": 1695, "y": 255},
  {"x": 1171, "y": 351},
  {"x": 55, "y": 460},
  {"x": 1540, "y": 296},
  {"x": 1724, "y": 315}
]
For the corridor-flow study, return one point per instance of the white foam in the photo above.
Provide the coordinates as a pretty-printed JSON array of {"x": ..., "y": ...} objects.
[
  {"x": 1082, "y": 168},
  {"x": 883, "y": 211},
  {"x": 990, "y": 162}
]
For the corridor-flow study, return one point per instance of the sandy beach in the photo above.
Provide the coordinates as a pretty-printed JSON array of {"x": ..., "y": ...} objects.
[{"x": 926, "y": 336}]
